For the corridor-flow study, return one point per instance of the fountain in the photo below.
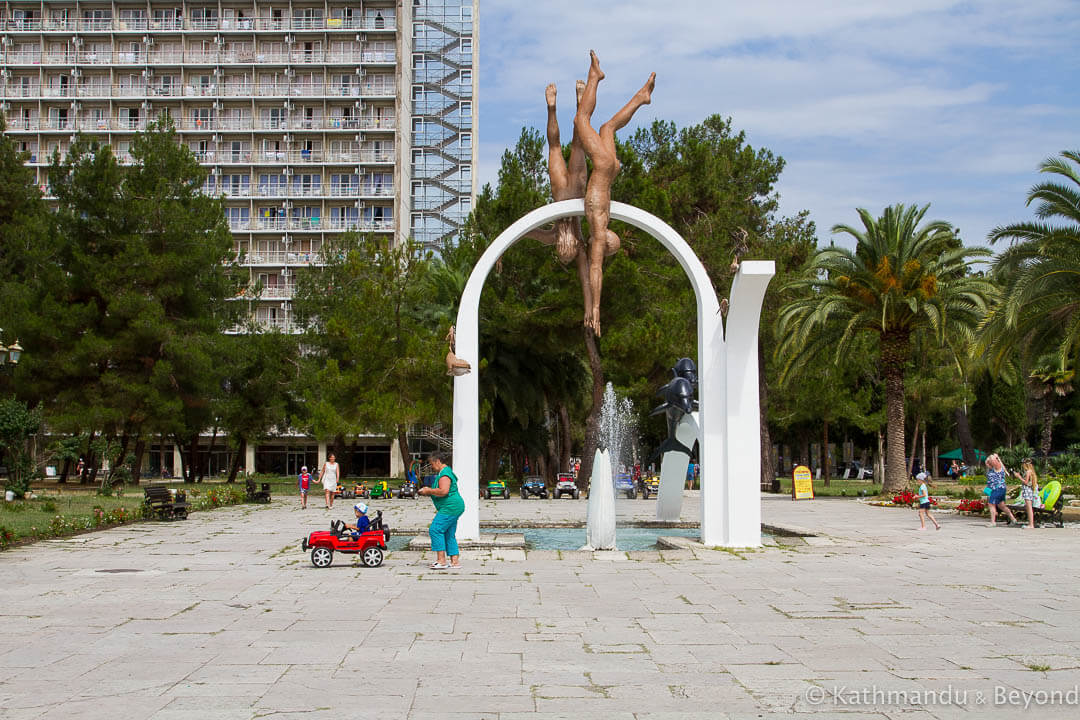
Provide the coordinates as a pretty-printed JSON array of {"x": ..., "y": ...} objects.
[{"x": 615, "y": 438}]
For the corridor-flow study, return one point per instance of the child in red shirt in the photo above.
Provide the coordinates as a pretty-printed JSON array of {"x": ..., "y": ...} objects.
[{"x": 304, "y": 483}]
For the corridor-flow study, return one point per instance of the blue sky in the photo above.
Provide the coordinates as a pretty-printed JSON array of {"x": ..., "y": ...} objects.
[{"x": 870, "y": 102}]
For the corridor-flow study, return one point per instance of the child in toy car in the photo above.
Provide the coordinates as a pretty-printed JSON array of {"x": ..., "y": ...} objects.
[{"x": 362, "y": 521}]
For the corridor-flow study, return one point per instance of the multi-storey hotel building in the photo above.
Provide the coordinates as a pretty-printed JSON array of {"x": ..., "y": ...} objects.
[{"x": 312, "y": 117}]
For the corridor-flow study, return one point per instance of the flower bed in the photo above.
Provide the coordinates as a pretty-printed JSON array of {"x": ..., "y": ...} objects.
[{"x": 973, "y": 507}]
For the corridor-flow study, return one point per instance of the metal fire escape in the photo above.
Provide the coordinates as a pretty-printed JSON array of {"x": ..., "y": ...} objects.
[{"x": 442, "y": 119}]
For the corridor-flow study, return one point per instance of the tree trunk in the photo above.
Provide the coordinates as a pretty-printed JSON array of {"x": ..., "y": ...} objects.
[
  {"x": 241, "y": 450},
  {"x": 64, "y": 472},
  {"x": 1047, "y": 424},
  {"x": 826, "y": 463},
  {"x": 894, "y": 354},
  {"x": 121, "y": 453},
  {"x": 140, "y": 450},
  {"x": 491, "y": 461},
  {"x": 204, "y": 468},
  {"x": 193, "y": 459},
  {"x": 963, "y": 434},
  {"x": 564, "y": 451},
  {"x": 879, "y": 461},
  {"x": 592, "y": 423},
  {"x": 910, "y": 462},
  {"x": 922, "y": 448},
  {"x": 84, "y": 476},
  {"x": 769, "y": 479},
  {"x": 403, "y": 448}
]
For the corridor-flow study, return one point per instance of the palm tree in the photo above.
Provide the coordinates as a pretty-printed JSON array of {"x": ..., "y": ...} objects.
[
  {"x": 1048, "y": 379},
  {"x": 1040, "y": 273},
  {"x": 900, "y": 281}
]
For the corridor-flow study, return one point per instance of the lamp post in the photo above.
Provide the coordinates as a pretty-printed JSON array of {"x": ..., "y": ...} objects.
[{"x": 9, "y": 355}]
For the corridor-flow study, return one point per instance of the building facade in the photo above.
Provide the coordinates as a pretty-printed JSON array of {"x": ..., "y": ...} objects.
[{"x": 312, "y": 117}]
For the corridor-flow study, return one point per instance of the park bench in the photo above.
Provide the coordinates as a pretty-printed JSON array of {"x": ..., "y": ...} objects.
[
  {"x": 164, "y": 504},
  {"x": 1053, "y": 504},
  {"x": 253, "y": 495}
]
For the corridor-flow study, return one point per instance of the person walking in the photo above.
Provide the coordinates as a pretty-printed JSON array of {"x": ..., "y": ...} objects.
[
  {"x": 995, "y": 482},
  {"x": 449, "y": 506},
  {"x": 924, "y": 502},
  {"x": 329, "y": 478},
  {"x": 304, "y": 482},
  {"x": 1029, "y": 491}
]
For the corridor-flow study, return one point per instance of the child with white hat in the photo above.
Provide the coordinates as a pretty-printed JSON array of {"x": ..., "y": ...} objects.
[{"x": 362, "y": 520}]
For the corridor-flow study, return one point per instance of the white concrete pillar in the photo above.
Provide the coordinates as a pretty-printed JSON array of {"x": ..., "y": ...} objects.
[
  {"x": 322, "y": 459},
  {"x": 249, "y": 458},
  {"x": 396, "y": 469},
  {"x": 742, "y": 497},
  {"x": 176, "y": 461}
]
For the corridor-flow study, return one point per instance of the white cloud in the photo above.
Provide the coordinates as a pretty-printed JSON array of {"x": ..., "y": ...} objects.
[{"x": 871, "y": 103}]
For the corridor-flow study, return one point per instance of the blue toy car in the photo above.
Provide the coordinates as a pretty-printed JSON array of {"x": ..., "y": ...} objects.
[
  {"x": 533, "y": 485},
  {"x": 624, "y": 483}
]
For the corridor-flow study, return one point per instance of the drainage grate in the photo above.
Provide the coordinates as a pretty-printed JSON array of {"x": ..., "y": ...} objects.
[{"x": 119, "y": 570}]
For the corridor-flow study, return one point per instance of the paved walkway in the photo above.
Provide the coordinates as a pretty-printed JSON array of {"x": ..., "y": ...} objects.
[{"x": 224, "y": 617}]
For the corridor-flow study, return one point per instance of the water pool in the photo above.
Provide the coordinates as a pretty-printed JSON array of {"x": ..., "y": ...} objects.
[{"x": 626, "y": 538}]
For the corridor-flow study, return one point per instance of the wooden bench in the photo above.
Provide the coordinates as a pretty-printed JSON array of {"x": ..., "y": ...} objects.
[
  {"x": 253, "y": 495},
  {"x": 159, "y": 501}
]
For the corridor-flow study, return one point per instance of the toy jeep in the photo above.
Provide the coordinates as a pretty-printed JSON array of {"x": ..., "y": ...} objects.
[
  {"x": 495, "y": 487},
  {"x": 564, "y": 485},
  {"x": 533, "y": 486},
  {"x": 650, "y": 486},
  {"x": 358, "y": 490},
  {"x": 371, "y": 545},
  {"x": 408, "y": 489},
  {"x": 380, "y": 489},
  {"x": 624, "y": 484}
]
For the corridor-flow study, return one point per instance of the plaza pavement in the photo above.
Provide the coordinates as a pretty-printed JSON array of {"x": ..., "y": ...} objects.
[{"x": 223, "y": 616}]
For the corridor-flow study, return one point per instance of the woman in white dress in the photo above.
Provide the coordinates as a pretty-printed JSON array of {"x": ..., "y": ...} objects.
[{"x": 329, "y": 477}]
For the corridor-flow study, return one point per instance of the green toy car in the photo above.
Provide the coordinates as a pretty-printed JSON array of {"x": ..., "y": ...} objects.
[
  {"x": 495, "y": 487},
  {"x": 380, "y": 489}
]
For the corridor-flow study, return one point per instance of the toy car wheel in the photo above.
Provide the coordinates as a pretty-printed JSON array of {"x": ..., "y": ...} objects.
[
  {"x": 321, "y": 557},
  {"x": 524, "y": 494},
  {"x": 372, "y": 557},
  {"x": 543, "y": 495},
  {"x": 487, "y": 494},
  {"x": 577, "y": 495}
]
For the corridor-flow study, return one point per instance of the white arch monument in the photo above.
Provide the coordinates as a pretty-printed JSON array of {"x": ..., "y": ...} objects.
[{"x": 727, "y": 380}]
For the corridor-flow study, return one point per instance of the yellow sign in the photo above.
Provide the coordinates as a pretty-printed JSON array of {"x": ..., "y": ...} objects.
[{"x": 802, "y": 484}]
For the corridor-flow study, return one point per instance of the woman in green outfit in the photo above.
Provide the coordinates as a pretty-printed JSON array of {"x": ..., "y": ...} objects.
[{"x": 448, "y": 508}]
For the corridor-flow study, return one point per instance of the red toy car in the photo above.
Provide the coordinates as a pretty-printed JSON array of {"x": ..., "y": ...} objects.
[{"x": 371, "y": 544}]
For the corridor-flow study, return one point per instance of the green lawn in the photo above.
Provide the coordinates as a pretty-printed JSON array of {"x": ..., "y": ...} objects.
[
  {"x": 61, "y": 510},
  {"x": 838, "y": 487}
]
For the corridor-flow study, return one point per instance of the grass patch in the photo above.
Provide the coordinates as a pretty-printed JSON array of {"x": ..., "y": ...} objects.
[
  {"x": 837, "y": 487},
  {"x": 1038, "y": 668},
  {"x": 63, "y": 510}
]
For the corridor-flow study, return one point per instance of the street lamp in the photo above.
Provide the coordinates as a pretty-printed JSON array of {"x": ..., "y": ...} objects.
[{"x": 10, "y": 354}]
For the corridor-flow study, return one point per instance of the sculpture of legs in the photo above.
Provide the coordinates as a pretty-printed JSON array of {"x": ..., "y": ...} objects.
[{"x": 600, "y": 147}]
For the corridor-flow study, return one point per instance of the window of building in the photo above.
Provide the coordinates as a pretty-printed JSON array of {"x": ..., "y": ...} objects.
[{"x": 466, "y": 140}]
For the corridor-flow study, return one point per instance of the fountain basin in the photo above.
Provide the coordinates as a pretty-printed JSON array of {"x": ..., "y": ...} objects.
[{"x": 570, "y": 538}]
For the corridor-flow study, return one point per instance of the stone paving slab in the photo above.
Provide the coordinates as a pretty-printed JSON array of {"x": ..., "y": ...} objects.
[{"x": 223, "y": 616}]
